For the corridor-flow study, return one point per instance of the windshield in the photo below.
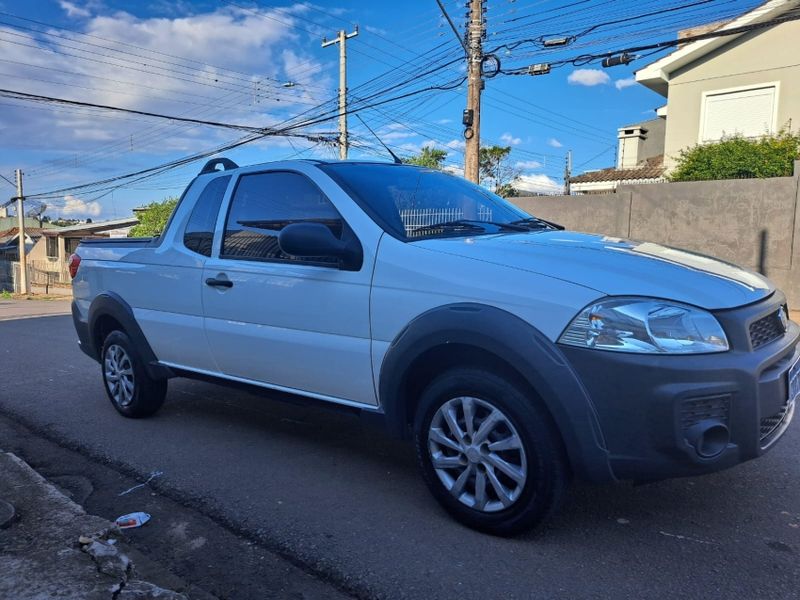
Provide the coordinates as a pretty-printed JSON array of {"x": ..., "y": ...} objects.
[{"x": 413, "y": 202}]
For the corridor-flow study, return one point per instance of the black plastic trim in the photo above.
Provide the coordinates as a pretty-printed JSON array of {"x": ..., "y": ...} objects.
[
  {"x": 211, "y": 166},
  {"x": 521, "y": 346},
  {"x": 82, "y": 329},
  {"x": 112, "y": 305}
]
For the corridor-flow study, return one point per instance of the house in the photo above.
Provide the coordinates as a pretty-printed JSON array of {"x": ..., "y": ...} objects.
[
  {"x": 9, "y": 241},
  {"x": 59, "y": 243},
  {"x": 743, "y": 84},
  {"x": 640, "y": 156}
]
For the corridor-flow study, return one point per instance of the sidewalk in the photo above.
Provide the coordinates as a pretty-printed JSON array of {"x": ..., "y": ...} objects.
[
  {"x": 52, "y": 549},
  {"x": 27, "y": 309}
]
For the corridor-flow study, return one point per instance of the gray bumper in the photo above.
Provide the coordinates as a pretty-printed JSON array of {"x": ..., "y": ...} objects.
[{"x": 651, "y": 408}]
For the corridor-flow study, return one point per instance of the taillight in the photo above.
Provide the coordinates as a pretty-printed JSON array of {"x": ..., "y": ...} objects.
[{"x": 74, "y": 263}]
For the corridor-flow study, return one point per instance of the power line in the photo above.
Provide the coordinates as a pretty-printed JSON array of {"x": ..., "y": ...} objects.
[
  {"x": 11, "y": 183},
  {"x": 143, "y": 173},
  {"x": 656, "y": 47},
  {"x": 12, "y": 94}
]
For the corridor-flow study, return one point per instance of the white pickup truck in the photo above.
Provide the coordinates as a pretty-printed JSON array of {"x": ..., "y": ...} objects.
[{"x": 515, "y": 354}]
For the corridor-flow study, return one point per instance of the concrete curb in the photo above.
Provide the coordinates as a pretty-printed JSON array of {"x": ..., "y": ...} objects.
[{"x": 54, "y": 549}]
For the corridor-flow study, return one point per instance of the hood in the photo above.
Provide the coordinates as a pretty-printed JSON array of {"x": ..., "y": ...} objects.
[{"x": 616, "y": 267}]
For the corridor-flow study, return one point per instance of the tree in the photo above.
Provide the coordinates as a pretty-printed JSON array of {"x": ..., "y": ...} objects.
[
  {"x": 494, "y": 166},
  {"x": 431, "y": 158},
  {"x": 738, "y": 157},
  {"x": 154, "y": 219}
]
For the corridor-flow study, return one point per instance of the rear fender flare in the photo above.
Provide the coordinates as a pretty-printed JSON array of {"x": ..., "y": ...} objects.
[{"x": 109, "y": 304}]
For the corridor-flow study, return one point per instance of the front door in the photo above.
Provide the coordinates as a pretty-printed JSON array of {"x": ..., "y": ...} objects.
[{"x": 297, "y": 324}]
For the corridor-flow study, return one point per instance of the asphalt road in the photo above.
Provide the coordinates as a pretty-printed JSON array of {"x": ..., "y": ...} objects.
[{"x": 348, "y": 504}]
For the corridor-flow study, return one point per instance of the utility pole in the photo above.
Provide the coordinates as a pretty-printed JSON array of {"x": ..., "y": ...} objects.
[
  {"x": 341, "y": 39},
  {"x": 476, "y": 30},
  {"x": 23, "y": 259},
  {"x": 567, "y": 173}
]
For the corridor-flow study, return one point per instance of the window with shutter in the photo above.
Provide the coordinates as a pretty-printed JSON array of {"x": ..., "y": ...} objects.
[{"x": 750, "y": 113}]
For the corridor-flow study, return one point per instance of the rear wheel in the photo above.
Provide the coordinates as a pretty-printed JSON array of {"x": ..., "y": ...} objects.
[
  {"x": 488, "y": 452},
  {"x": 132, "y": 391}
]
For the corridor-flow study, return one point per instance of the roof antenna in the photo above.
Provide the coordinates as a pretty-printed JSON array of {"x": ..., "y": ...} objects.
[{"x": 397, "y": 161}]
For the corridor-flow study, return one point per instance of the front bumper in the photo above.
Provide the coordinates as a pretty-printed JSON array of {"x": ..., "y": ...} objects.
[{"x": 650, "y": 407}]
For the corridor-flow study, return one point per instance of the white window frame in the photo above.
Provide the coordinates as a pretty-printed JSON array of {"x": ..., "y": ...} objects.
[{"x": 741, "y": 88}]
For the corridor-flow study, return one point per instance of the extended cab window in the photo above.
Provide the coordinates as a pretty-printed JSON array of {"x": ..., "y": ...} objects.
[
  {"x": 265, "y": 203},
  {"x": 199, "y": 231}
]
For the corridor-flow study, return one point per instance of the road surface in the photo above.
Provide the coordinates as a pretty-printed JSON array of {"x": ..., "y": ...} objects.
[{"x": 347, "y": 504}]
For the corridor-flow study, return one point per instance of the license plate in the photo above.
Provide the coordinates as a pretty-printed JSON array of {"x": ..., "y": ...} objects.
[{"x": 794, "y": 381}]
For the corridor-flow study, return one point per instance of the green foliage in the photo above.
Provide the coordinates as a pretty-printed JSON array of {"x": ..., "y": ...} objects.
[
  {"x": 494, "y": 166},
  {"x": 431, "y": 158},
  {"x": 738, "y": 157},
  {"x": 5, "y": 295},
  {"x": 153, "y": 221}
]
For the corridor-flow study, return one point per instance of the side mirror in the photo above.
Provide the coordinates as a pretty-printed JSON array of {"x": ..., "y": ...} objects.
[{"x": 309, "y": 240}]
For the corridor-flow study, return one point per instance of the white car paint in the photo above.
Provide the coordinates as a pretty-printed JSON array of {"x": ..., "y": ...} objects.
[{"x": 324, "y": 333}]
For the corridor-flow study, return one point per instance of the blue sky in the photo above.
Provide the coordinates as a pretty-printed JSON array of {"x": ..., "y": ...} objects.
[{"x": 230, "y": 61}]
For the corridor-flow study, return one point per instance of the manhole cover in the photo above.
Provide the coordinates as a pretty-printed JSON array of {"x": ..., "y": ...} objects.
[{"x": 7, "y": 513}]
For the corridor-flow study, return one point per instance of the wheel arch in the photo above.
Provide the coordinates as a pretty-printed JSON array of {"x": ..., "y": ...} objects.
[
  {"x": 109, "y": 312},
  {"x": 487, "y": 336}
]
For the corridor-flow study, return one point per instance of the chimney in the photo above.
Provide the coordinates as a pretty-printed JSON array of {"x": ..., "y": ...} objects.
[{"x": 631, "y": 140}]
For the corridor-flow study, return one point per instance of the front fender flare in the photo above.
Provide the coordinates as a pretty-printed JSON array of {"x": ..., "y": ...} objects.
[{"x": 520, "y": 345}]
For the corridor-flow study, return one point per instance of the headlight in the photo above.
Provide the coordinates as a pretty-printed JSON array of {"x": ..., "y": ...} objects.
[{"x": 646, "y": 326}]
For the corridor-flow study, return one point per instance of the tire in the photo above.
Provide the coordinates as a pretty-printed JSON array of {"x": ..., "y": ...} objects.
[
  {"x": 132, "y": 391},
  {"x": 533, "y": 470}
]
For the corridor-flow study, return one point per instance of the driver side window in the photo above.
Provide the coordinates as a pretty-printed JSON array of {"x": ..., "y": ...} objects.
[{"x": 263, "y": 204}]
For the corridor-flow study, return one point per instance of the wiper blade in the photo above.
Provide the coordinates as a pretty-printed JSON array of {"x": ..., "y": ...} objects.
[
  {"x": 469, "y": 224},
  {"x": 538, "y": 221}
]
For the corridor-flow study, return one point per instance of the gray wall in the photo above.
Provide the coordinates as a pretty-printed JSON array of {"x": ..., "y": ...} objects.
[{"x": 719, "y": 218}]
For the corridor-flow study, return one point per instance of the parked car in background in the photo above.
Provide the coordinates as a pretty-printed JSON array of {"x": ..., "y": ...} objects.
[{"x": 515, "y": 354}]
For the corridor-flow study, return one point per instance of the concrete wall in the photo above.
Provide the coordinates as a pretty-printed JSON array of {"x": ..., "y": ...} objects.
[
  {"x": 725, "y": 219},
  {"x": 757, "y": 58}
]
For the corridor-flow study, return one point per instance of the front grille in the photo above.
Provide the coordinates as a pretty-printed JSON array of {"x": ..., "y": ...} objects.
[
  {"x": 771, "y": 426},
  {"x": 713, "y": 408},
  {"x": 766, "y": 329}
]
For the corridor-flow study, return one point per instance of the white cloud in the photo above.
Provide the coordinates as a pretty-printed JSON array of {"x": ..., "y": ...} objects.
[
  {"x": 554, "y": 143},
  {"x": 73, "y": 10},
  {"x": 621, "y": 84},
  {"x": 75, "y": 207},
  {"x": 588, "y": 77},
  {"x": 456, "y": 144},
  {"x": 443, "y": 121},
  {"x": 375, "y": 30},
  {"x": 538, "y": 183},
  {"x": 510, "y": 140},
  {"x": 527, "y": 164},
  {"x": 217, "y": 50}
]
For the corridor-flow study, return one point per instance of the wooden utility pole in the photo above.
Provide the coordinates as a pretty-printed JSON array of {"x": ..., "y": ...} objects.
[
  {"x": 23, "y": 259},
  {"x": 476, "y": 28},
  {"x": 341, "y": 39}
]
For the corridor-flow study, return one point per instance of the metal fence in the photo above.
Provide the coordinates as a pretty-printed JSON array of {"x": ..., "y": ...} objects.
[
  {"x": 415, "y": 218},
  {"x": 6, "y": 276}
]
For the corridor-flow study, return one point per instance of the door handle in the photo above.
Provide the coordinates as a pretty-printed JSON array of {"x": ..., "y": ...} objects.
[{"x": 222, "y": 283}]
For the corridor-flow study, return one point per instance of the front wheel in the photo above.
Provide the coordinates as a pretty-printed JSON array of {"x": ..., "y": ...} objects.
[
  {"x": 488, "y": 452},
  {"x": 132, "y": 391}
]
